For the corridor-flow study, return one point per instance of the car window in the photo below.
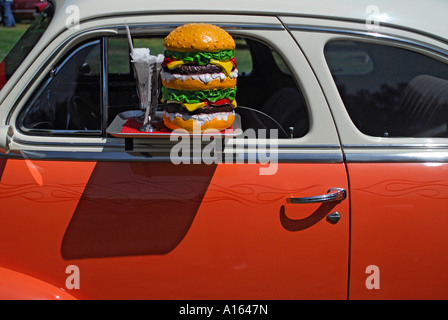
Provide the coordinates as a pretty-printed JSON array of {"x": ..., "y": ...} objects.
[
  {"x": 281, "y": 63},
  {"x": 390, "y": 91},
  {"x": 243, "y": 56},
  {"x": 118, "y": 56},
  {"x": 267, "y": 94},
  {"x": 69, "y": 100},
  {"x": 122, "y": 88},
  {"x": 121, "y": 79}
]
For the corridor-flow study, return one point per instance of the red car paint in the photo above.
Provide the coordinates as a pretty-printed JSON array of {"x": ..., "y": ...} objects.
[
  {"x": 2, "y": 75},
  {"x": 27, "y": 9}
]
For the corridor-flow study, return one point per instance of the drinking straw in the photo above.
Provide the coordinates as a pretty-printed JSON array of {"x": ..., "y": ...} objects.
[{"x": 129, "y": 38}]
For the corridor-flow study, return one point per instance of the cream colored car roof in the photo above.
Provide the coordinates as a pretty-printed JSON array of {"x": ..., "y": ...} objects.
[{"x": 425, "y": 16}]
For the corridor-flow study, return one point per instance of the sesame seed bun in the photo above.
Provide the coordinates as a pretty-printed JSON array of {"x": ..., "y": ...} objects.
[
  {"x": 192, "y": 126},
  {"x": 199, "y": 37}
]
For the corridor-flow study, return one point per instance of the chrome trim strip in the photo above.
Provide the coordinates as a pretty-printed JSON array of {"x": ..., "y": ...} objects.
[
  {"x": 283, "y": 157},
  {"x": 59, "y": 133},
  {"x": 308, "y": 146},
  {"x": 164, "y": 141},
  {"x": 369, "y": 35},
  {"x": 104, "y": 79},
  {"x": 411, "y": 146},
  {"x": 361, "y": 21},
  {"x": 398, "y": 157},
  {"x": 307, "y": 157},
  {"x": 164, "y": 156},
  {"x": 239, "y": 26}
]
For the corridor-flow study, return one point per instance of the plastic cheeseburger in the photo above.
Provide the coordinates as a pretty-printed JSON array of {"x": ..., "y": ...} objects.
[{"x": 199, "y": 76}]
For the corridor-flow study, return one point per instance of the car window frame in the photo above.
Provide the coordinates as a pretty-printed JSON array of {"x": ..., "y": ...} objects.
[
  {"x": 313, "y": 34},
  {"x": 104, "y": 85},
  {"x": 43, "y": 85},
  {"x": 391, "y": 43},
  {"x": 416, "y": 46},
  {"x": 321, "y": 144},
  {"x": 255, "y": 70},
  {"x": 313, "y": 37}
]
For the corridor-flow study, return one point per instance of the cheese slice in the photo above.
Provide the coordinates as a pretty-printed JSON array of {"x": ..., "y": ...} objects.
[
  {"x": 189, "y": 106},
  {"x": 226, "y": 66},
  {"x": 175, "y": 64},
  {"x": 193, "y": 106}
]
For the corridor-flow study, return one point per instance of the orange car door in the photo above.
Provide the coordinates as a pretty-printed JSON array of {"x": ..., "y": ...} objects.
[
  {"x": 156, "y": 230},
  {"x": 106, "y": 222}
]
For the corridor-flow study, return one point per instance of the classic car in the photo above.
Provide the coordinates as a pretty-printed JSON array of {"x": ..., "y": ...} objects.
[
  {"x": 340, "y": 191},
  {"x": 27, "y": 9}
]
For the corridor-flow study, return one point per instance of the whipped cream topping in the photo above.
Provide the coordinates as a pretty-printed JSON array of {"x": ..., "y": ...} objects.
[
  {"x": 205, "y": 78},
  {"x": 201, "y": 118}
]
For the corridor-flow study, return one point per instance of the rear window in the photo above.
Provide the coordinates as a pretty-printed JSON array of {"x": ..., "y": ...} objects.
[{"x": 390, "y": 91}]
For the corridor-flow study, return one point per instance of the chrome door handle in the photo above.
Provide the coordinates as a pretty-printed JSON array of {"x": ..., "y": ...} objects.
[{"x": 335, "y": 194}]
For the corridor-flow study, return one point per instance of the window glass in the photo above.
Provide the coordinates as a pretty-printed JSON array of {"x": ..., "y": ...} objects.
[
  {"x": 122, "y": 83},
  {"x": 70, "y": 99},
  {"x": 268, "y": 97},
  {"x": 280, "y": 62},
  {"x": 346, "y": 58},
  {"x": 267, "y": 94},
  {"x": 154, "y": 43},
  {"x": 118, "y": 56},
  {"x": 243, "y": 56},
  {"x": 122, "y": 87},
  {"x": 390, "y": 91}
]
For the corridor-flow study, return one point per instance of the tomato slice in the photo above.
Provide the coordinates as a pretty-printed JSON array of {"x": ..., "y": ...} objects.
[
  {"x": 220, "y": 102},
  {"x": 233, "y": 61},
  {"x": 166, "y": 61}
]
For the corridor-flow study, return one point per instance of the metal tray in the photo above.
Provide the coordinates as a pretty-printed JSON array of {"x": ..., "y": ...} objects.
[{"x": 125, "y": 125}]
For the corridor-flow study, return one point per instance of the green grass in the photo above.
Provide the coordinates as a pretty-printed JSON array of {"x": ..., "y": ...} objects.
[
  {"x": 119, "y": 53},
  {"x": 9, "y": 37},
  {"x": 118, "y": 49}
]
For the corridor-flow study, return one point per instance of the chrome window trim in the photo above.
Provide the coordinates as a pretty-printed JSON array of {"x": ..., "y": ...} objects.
[
  {"x": 119, "y": 142},
  {"x": 164, "y": 156},
  {"x": 386, "y": 150},
  {"x": 104, "y": 85},
  {"x": 113, "y": 31},
  {"x": 371, "y": 35},
  {"x": 411, "y": 146},
  {"x": 230, "y": 26},
  {"x": 58, "y": 132},
  {"x": 422, "y": 156},
  {"x": 99, "y": 32},
  {"x": 102, "y": 150}
]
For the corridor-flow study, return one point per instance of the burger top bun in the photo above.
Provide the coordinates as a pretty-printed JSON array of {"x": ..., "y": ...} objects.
[{"x": 199, "y": 37}]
